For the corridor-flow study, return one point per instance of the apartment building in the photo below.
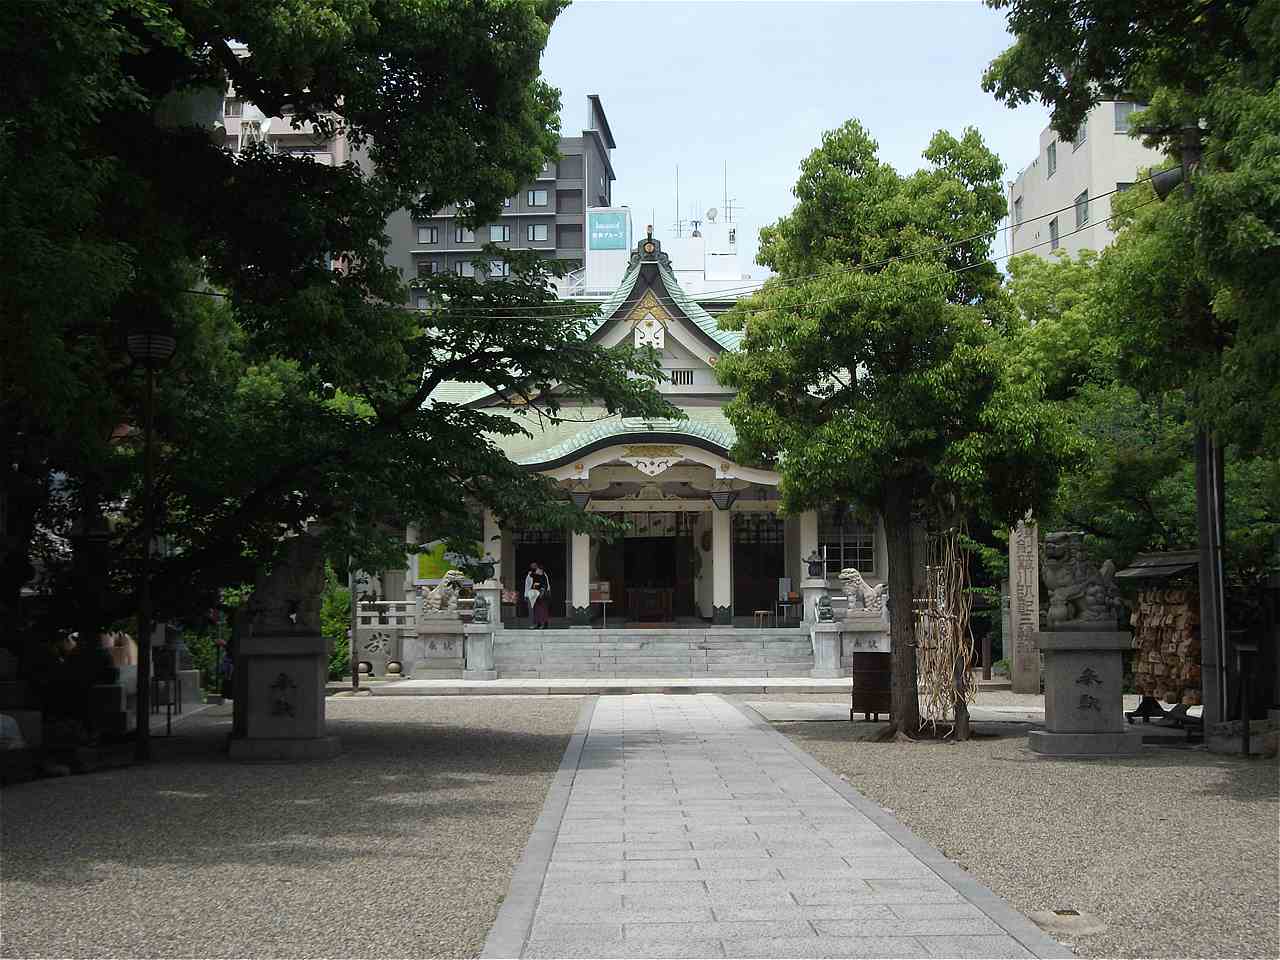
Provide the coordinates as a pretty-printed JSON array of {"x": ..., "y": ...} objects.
[
  {"x": 548, "y": 215},
  {"x": 1077, "y": 178}
]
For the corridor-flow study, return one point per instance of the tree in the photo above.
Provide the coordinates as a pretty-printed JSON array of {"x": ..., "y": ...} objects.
[
  {"x": 1199, "y": 289},
  {"x": 302, "y": 389},
  {"x": 1134, "y": 488},
  {"x": 869, "y": 371}
]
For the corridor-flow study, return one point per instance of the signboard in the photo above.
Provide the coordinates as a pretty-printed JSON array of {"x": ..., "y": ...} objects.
[{"x": 607, "y": 231}]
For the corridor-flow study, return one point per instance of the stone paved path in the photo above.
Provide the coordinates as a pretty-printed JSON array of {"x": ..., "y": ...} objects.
[{"x": 690, "y": 830}]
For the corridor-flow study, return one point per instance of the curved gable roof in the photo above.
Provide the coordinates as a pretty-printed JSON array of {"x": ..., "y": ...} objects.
[
  {"x": 658, "y": 277},
  {"x": 711, "y": 436}
]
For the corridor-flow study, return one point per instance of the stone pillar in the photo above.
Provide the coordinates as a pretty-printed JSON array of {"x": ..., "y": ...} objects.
[
  {"x": 1023, "y": 651},
  {"x": 826, "y": 639},
  {"x": 721, "y": 567},
  {"x": 479, "y": 655},
  {"x": 1083, "y": 706},
  {"x": 491, "y": 592},
  {"x": 580, "y": 579}
]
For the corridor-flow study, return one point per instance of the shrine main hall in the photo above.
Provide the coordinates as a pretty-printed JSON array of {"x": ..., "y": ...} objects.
[{"x": 704, "y": 543}]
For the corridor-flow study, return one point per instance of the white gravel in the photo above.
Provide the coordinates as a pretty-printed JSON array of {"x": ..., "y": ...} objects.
[
  {"x": 402, "y": 847},
  {"x": 1175, "y": 850}
]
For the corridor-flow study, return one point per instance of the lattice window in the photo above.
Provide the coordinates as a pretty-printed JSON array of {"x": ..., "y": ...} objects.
[
  {"x": 758, "y": 528},
  {"x": 846, "y": 542}
]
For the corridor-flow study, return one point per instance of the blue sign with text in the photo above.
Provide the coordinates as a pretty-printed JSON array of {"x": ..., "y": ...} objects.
[{"x": 607, "y": 231}]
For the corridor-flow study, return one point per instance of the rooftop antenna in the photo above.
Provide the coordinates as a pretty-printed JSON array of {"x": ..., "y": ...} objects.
[{"x": 679, "y": 221}]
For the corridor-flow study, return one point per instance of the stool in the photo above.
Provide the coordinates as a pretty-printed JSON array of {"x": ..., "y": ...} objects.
[{"x": 762, "y": 618}]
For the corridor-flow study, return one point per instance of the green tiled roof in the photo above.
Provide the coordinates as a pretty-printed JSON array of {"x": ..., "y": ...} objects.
[
  {"x": 458, "y": 392},
  {"x": 720, "y": 434}
]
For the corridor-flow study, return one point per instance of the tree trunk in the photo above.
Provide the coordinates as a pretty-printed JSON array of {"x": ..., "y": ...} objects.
[
  {"x": 961, "y": 705},
  {"x": 905, "y": 697}
]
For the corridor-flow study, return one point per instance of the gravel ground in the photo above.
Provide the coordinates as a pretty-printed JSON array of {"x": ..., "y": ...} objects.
[
  {"x": 1175, "y": 850},
  {"x": 402, "y": 847}
]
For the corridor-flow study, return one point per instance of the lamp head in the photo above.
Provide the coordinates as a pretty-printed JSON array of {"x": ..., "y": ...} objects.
[
  {"x": 152, "y": 349},
  {"x": 1166, "y": 181}
]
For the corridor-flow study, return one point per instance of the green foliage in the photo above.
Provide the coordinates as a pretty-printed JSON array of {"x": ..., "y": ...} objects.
[
  {"x": 1133, "y": 490},
  {"x": 1193, "y": 284},
  {"x": 203, "y": 647},
  {"x": 888, "y": 378},
  {"x": 335, "y": 623},
  {"x": 871, "y": 371},
  {"x": 299, "y": 391}
]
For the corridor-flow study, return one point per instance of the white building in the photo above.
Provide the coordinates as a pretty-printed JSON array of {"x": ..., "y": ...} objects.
[
  {"x": 704, "y": 263},
  {"x": 1077, "y": 178}
]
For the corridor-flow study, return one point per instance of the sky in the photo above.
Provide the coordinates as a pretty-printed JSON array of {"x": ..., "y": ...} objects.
[{"x": 755, "y": 84}]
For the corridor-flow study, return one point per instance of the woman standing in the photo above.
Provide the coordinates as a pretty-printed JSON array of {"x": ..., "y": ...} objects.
[{"x": 537, "y": 585}]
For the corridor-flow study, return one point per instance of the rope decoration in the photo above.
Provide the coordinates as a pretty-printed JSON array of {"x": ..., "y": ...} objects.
[{"x": 944, "y": 638}]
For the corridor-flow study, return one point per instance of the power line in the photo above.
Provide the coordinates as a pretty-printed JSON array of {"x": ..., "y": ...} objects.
[
  {"x": 930, "y": 278},
  {"x": 571, "y": 309},
  {"x": 862, "y": 267}
]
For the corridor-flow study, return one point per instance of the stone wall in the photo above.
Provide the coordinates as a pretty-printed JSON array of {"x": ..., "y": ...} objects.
[{"x": 1167, "y": 636}]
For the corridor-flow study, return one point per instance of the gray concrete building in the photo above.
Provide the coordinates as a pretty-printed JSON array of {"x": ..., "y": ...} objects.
[{"x": 549, "y": 214}]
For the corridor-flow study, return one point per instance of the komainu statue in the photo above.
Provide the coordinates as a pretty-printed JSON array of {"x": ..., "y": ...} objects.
[
  {"x": 1081, "y": 596},
  {"x": 864, "y": 599},
  {"x": 443, "y": 598}
]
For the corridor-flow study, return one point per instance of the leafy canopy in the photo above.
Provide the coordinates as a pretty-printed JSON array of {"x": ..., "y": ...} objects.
[{"x": 299, "y": 392}]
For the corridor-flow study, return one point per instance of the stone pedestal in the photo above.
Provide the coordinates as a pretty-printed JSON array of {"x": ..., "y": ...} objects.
[
  {"x": 826, "y": 650},
  {"x": 1083, "y": 706},
  {"x": 282, "y": 682},
  {"x": 479, "y": 652},
  {"x": 837, "y": 641},
  {"x": 811, "y": 589},
  {"x": 436, "y": 651},
  {"x": 491, "y": 591}
]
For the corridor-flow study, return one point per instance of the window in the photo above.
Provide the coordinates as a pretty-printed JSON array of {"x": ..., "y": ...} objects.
[
  {"x": 1123, "y": 112},
  {"x": 846, "y": 542},
  {"x": 537, "y": 198},
  {"x": 427, "y": 268},
  {"x": 1051, "y": 156},
  {"x": 1082, "y": 208},
  {"x": 682, "y": 378},
  {"x": 1122, "y": 186},
  {"x": 423, "y": 303},
  {"x": 570, "y": 168},
  {"x": 464, "y": 268},
  {"x": 506, "y": 203},
  {"x": 1017, "y": 210},
  {"x": 428, "y": 234},
  {"x": 463, "y": 235},
  {"x": 1053, "y": 234},
  {"x": 1081, "y": 136},
  {"x": 232, "y": 107},
  {"x": 537, "y": 232},
  {"x": 499, "y": 268},
  {"x": 499, "y": 233}
]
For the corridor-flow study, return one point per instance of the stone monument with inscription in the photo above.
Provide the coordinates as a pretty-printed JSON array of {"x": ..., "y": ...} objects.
[
  {"x": 1021, "y": 648},
  {"x": 282, "y": 662}
]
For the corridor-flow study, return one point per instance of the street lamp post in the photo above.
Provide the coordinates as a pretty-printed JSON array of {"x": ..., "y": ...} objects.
[
  {"x": 1210, "y": 496},
  {"x": 153, "y": 350}
]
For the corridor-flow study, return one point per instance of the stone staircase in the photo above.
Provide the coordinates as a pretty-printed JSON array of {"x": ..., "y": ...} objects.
[{"x": 657, "y": 652}]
